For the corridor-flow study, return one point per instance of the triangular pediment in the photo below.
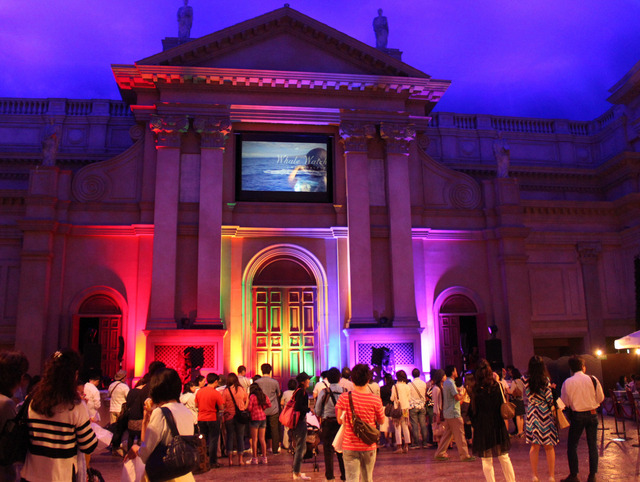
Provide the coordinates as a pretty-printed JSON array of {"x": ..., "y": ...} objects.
[{"x": 286, "y": 40}]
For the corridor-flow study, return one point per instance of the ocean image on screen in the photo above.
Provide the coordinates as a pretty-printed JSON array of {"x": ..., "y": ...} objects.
[{"x": 284, "y": 166}]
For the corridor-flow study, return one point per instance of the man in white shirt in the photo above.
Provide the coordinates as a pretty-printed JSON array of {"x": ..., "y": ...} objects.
[
  {"x": 118, "y": 391},
  {"x": 92, "y": 395},
  {"x": 321, "y": 385},
  {"x": 417, "y": 410},
  {"x": 242, "y": 378},
  {"x": 583, "y": 395},
  {"x": 345, "y": 381}
]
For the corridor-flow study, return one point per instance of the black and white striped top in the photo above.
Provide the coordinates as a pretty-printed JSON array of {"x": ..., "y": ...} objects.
[{"x": 54, "y": 443}]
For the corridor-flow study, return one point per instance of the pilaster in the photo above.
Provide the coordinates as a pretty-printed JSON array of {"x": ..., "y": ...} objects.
[
  {"x": 213, "y": 134},
  {"x": 168, "y": 131},
  {"x": 589, "y": 255},
  {"x": 354, "y": 136},
  {"x": 398, "y": 138}
]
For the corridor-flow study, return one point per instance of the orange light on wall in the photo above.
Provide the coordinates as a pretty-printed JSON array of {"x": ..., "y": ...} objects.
[{"x": 141, "y": 349}]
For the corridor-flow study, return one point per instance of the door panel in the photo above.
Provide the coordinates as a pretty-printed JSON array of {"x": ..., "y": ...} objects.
[
  {"x": 285, "y": 330},
  {"x": 109, "y": 334},
  {"x": 450, "y": 330}
]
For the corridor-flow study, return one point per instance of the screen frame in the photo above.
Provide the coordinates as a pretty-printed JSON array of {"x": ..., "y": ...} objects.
[{"x": 284, "y": 196}]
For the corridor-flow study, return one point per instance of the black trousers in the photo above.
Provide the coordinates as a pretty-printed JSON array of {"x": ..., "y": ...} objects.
[
  {"x": 330, "y": 428},
  {"x": 211, "y": 432},
  {"x": 588, "y": 422}
]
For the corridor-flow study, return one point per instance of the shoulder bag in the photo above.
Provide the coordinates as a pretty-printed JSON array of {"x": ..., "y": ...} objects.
[
  {"x": 507, "y": 409},
  {"x": 390, "y": 410},
  {"x": 177, "y": 458},
  {"x": 14, "y": 438},
  {"x": 289, "y": 416},
  {"x": 242, "y": 417},
  {"x": 363, "y": 430}
]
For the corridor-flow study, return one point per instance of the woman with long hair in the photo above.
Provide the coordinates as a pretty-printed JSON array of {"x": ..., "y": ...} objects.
[
  {"x": 58, "y": 423},
  {"x": 164, "y": 391},
  {"x": 135, "y": 403},
  {"x": 258, "y": 401},
  {"x": 235, "y": 430},
  {"x": 517, "y": 392},
  {"x": 400, "y": 397},
  {"x": 438, "y": 377},
  {"x": 540, "y": 428},
  {"x": 188, "y": 399},
  {"x": 490, "y": 436}
]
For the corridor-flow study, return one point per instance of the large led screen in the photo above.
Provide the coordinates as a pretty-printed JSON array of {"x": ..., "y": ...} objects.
[{"x": 284, "y": 167}]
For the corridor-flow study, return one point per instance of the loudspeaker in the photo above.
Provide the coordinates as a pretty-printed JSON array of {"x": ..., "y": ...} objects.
[{"x": 494, "y": 351}]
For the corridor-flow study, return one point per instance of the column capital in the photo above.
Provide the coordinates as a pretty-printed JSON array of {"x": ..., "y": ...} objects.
[
  {"x": 168, "y": 129},
  {"x": 588, "y": 252},
  {"x": 355, "y": 134},
  {"x": 213, "y": 131},
  {"x": 398, "y": 136}
]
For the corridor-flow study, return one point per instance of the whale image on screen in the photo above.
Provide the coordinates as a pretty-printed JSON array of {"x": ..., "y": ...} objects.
[{"x": 284, "y": 166}]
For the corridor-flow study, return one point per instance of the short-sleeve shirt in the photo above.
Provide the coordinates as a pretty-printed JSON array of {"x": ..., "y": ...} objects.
[
  {"x": 209, "y": 401},
  {"x": 240, "y": 397},
  {"x": 257, "y": 411},
  {"x": 271, "y": 389},
  {"x": 451, "y": 406},
  {"x": 369, "y": 408}
]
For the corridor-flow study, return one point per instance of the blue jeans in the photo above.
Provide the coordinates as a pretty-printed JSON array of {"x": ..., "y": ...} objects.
[
  {"x": 299, "y": 436},
  {"x": 235, "y": 431},
  {"x": 417, "y": 416},
  {"x": 583, "y": 421},
  {"x": 359, "y": 464}
]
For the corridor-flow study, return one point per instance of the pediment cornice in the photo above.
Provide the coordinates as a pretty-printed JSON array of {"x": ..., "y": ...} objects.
[{"x": 131, "y": 77}]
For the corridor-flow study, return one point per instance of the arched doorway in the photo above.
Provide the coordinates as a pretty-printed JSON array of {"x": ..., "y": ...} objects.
[
  {"x": 285, "y": 318},
  {"x": 98, "y": 334},
  {"x": 459, "y": 332},
  {"x": 285, "y": 325}
]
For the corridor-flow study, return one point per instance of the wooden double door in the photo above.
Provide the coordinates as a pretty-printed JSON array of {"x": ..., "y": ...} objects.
[{"x": 284, "y": 329}]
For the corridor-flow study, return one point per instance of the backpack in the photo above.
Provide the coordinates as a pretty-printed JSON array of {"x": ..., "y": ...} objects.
[
  {"x": 14, "y": 438},
  {"x": 289, "y": 416}
]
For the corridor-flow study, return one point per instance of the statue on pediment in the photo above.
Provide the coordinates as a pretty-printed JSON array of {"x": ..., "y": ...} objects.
[
  {"x": 381, "y": 28},
  {"x": 50, "y": 145},
  {"x": 502, "y": 152},
  {"x": 185, "y": 20}
]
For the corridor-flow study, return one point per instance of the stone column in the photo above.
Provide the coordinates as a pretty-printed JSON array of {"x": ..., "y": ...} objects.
[
  {"x": 213, "y": 132},
  {"x": 354, "y": 136},
  {"x": 168, "y": 130},
  {"x": 588, "y": 253},
  {"x": 398, "y": 138}
]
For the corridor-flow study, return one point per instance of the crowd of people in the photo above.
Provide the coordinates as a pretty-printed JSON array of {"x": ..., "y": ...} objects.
[{"x": 238, "y": 416}]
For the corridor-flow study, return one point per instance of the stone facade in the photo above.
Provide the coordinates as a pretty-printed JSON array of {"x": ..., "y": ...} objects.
[{"x": 137, "y": 231}]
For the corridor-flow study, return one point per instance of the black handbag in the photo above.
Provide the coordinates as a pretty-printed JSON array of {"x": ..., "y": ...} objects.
[
  {"x": 363, "y": 430},
  {"x": 177, "y": 458},
  {"x": 390, "y": 410},
  {"x": 242, "y": 417},
  {"x": 14, "y": 438}
]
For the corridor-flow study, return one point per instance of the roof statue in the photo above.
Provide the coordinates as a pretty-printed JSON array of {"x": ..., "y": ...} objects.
[
  {"x": 381, "y": 28},
  {"x": 502, "y": 152},
  {"x": 185, "y": 20},
  {"x": 50, "y": 145}
]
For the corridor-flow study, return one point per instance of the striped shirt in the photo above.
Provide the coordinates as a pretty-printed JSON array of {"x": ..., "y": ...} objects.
[
  {"x": 54, "y": 443},
  {"x": 369, "y": 408}
]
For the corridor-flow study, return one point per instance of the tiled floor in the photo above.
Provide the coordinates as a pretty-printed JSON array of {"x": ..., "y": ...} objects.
[{"x": 619, "y": 461}]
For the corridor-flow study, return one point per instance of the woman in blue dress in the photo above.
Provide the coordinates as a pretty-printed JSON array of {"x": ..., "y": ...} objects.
[{"x": 540, "y": 427}]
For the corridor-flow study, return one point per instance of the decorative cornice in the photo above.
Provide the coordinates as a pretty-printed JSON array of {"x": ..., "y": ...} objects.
[
  {"x": 151, "y": 76},
  {"x": 429, "y": 234},
  {"x": 213, "y": 131},
  {"x": 168, "y": 129},
  {"x": 588, "y": 252},
  {"x": 249, "y": 232},
  {"x": 355, "y": 135},
  {"x": 398, "y": 137}
]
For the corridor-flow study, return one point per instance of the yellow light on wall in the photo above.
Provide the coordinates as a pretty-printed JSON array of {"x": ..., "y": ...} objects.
[
  {"x": 637, "y": 351},
  {"x": 598, "y": 352}
]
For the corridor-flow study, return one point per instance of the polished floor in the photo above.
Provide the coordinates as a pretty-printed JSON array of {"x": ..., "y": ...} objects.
[{"x": 619, "y": 461}]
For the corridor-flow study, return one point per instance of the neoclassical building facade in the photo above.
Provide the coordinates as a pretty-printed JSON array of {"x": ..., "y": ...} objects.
[{"x": 279, "y": 191}]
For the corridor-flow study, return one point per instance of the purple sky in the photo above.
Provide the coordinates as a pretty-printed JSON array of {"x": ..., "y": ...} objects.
[{"x": 536, "y": 58}]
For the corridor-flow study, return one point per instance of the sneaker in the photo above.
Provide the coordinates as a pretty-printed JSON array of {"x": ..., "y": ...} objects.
[
  {"x": 263, "y": 460},
  {"x": 301, "y": 476},
  {"x": 469, "y": 459},
  {"x": 442, "y": 458},
  {"x": 254, "y": 461},
  {"x": 397, "y": 451},
  {"x": 414, "y": 446}
]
